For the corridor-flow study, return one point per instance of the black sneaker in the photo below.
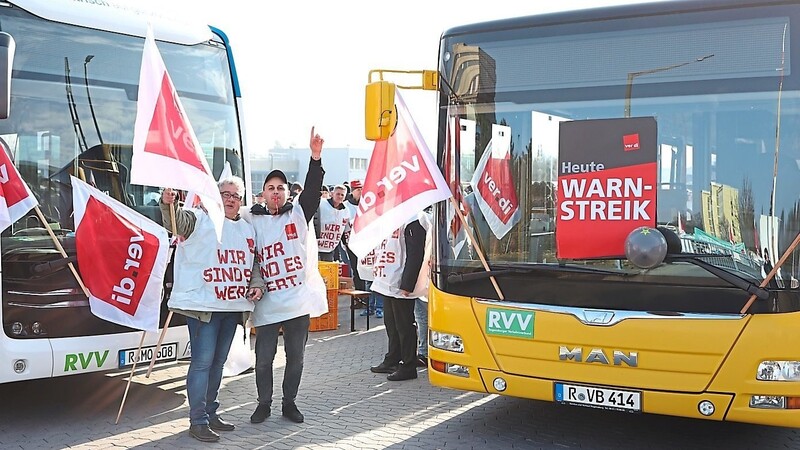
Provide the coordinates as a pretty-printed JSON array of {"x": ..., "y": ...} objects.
[
  {"x": 422, "y": 361},
  {"x": 384, "y": 367},
  {"x": 217, "y": 424},
  {"x": 290, "y": 411},
  {"x": 203, "y": 433},
  {"x": 402, "y": 374},
  {"x": 261, "y": 413}
]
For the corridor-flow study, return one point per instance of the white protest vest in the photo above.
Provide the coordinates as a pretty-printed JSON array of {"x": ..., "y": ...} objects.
[
  {"x": 390, "y": 260},
  {"x": 211, "y": 276},
  {"x": 365, "y": 266},
  {"x": 287, "y": 255},
  {"x": 353, "y": 210},
  {"x": 332, "y": 223}
]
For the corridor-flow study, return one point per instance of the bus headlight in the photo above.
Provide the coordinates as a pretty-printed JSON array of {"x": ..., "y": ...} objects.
[
  {"x": 37, "y": 328},
  {"x": 20, "y": 365},
  {"x": 767, "y": 402},
  {"x": 17, "y": 329},
  {"x": 778, "y": 371},
  {"x": 447, "y": 341}
]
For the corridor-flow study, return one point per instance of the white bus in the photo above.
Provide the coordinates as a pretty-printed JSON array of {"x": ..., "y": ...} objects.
[{"x": 74, "y": 71}]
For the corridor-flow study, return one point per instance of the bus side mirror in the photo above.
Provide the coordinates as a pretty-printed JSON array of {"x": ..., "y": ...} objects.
[
  {"x": 380, "y": 115},
  {"x": 7, "y": 48}
]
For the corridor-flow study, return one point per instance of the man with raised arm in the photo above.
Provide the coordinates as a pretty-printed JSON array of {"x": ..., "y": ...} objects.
[{"x": 288, "y": 262}]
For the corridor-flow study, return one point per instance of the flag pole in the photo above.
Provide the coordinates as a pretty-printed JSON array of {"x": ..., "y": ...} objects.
[
  {"x": 476, "y": 246},
  {"x": 169, "y": 316},
  {"x": 773, "y": 272},
  {"x": 130, "y": 377},
  {"x": 160, "y": 339},
  {"x": 61, "y": 250}
]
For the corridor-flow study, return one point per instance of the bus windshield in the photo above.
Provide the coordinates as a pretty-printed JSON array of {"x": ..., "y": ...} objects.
[
  {"x": 725, "y": 107},
  {"x": 73, "y": 108}
]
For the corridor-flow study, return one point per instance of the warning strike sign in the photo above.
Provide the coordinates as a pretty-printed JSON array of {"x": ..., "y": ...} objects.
[{"x": 607, "y": 179}]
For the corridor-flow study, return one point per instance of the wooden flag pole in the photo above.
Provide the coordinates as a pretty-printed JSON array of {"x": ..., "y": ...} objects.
[
  {"x": 169, "y": 316},
  {"x": 130, "y": 377},
  {"x": 773, "y": 272},
  {"x": 475, "y": 245},
  {"x": 158, "y": 345},
  {"x": 61, "y": 249},
  {"x": 160, "y": 339}
]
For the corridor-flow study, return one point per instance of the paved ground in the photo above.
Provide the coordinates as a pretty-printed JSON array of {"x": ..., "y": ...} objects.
[{"x": 346, "y": 407}]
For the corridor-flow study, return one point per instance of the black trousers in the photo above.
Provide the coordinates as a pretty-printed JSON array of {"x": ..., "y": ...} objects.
[
  {"x": 398, "y": 317},
  {"x": 358, "y": 283}
]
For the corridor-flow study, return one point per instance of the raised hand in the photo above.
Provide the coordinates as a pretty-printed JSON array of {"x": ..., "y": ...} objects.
[{"x": 315, "y": 144}]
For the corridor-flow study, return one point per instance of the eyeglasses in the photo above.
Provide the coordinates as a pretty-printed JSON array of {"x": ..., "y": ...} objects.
[{"x": 227, "y": 195}]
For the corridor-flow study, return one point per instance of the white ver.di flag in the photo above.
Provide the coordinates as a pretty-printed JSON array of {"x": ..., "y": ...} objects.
[
  {"x": 493, "y": 183},
  {"x": 166, "y": 152}
]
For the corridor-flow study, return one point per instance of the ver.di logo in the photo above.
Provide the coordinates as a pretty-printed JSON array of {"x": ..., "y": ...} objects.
[{"x": 506, "y": 322}]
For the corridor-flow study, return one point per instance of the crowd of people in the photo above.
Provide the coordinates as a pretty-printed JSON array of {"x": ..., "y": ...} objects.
[{"x": 263, "y": 272}]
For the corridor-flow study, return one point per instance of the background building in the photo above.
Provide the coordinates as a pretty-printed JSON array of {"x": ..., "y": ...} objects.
[{"x": 340, "y": 164}]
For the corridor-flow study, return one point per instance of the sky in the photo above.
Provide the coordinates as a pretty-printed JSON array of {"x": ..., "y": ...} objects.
[{"x": 306, "y": 62}]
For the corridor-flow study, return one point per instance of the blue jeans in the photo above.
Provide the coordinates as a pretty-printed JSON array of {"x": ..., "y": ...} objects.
[
  {"x": 375, "y": 300},
  {"x": 421, "y": 314},
  {"x": 211, "y": 343}
]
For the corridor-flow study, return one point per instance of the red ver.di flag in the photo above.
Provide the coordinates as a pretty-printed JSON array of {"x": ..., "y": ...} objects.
[
  {"x": 402, "y": 179},
  {"x": 493, "y": 184},
  {"x": 607, "y": 178},
  {"x": 16, "y": 198},
  {"x": 166, "y": 152},
  {"x": 126, "y": 255}
]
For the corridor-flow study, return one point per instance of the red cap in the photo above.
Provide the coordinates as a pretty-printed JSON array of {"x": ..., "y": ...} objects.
[{"x": 356, "y": 184}]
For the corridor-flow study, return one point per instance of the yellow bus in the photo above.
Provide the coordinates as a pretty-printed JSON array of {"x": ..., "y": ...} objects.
[{"x": 680, "y": 119}]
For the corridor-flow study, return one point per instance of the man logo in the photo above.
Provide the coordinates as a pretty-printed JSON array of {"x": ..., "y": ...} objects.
[{"x": 597, "y": 355}]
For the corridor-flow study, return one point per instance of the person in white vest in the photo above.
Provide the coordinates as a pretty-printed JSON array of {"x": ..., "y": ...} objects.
[
  {"x": 287, "y": 252},
  {"x": 398, "y": 277},
  {"x": 213, "y": 286},
  {"x": 375, "y": 302},
  {"x": 334, "y": 222},
  {"x": 352, "y": 205}
]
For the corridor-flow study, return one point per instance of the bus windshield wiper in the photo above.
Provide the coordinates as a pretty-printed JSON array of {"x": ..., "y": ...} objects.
[
  {"x": 522, "y": 270},
  {"x": 722, "y": 274}
]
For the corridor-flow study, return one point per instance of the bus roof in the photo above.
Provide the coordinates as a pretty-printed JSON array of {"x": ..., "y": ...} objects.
[
  {"x": 124, "y": 17},
  {"x": 609, "y": 12}
]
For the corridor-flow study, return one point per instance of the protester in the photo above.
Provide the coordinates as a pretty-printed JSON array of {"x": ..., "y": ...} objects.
[
  {"x": 213, "y": 305},
  {"x": 375, "y": 301},
  {"x": 355, "y": 192},
  {"x": 352, "y": 205},
  {"x": 297, "y": 188},
  {"x": 421, "y": 315},
  {"x": 398, "y": 274},
  {"x": 331, "y": 223},
  {"x": 288, "y": 263},
  {"x": 325, "y": 193}
]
